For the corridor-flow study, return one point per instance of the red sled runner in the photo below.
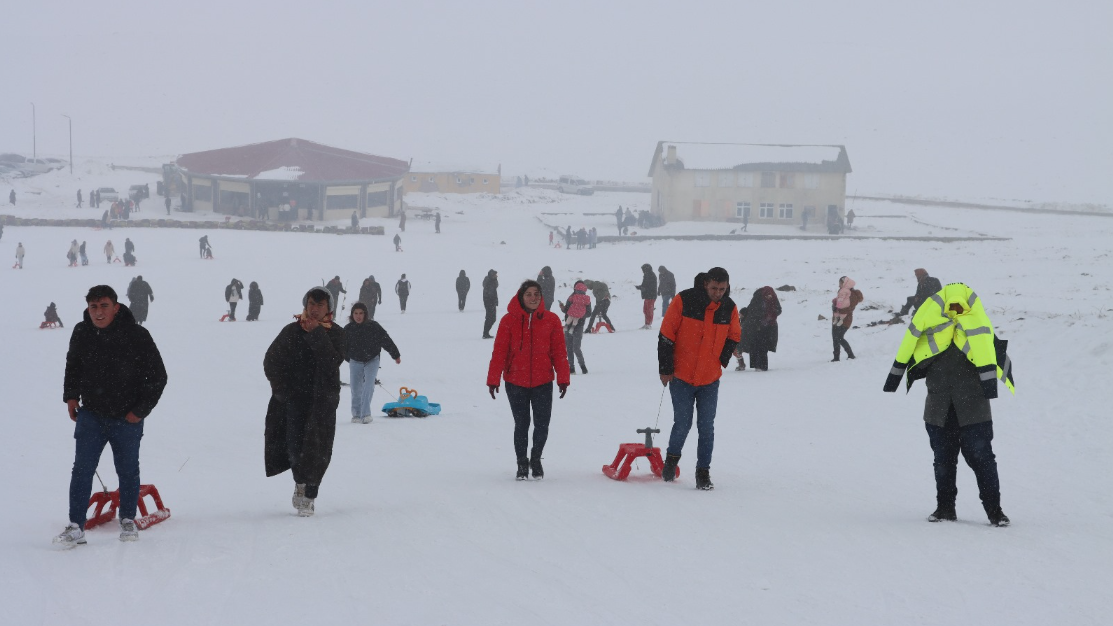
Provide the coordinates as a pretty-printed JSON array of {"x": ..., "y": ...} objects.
[
  {"x": 620, "y": 470},
  {"x": 111, "y": 500},
  {"x": 602, "y": 324},
  {"x": 49, "y": 325}
]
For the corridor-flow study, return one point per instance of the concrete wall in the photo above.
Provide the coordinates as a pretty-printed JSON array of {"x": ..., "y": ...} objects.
[{"x": 446, "y": 182}]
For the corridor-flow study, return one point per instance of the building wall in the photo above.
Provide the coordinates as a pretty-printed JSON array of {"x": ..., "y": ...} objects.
[
  {"x": 446, "y": 182},
  {"x": 714, "y": 195}
]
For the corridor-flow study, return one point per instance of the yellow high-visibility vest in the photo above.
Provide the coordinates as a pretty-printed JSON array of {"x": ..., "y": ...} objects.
[{"x": 937, "y": 325}]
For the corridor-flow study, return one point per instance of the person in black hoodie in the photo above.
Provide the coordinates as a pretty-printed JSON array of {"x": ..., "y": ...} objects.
[
  {"x": 370, "y": 294},
  {"x": 666, "y": 288},
  {"x": 548, "y": 287},
  {"x": 759, "y": 329},
  {"x": 364, "y": 339},
  {"x": 233, "y": 293},
  {"x": 51, "y": 315},
  {"x": 114, "y": 379},
  {"x": 402, "y": 288},
  {"x": 254, "y": 302},
  {"x": 648, "y": 288},
  {"x": 302, "y": 365},
  {"x": 463, "y": 286},
  {"x": 490, "y": 301},
  {"x": 140, "y": 296},
  {"x": 926, "y": 285}
]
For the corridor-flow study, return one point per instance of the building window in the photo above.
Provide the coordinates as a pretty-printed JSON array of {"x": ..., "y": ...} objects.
[
  {"x": 766, "y": 210},
  {"x": 784, "y": 212},
  {"x": 746, "y": 179},
  {"x": 459, "y": 181},
  {"x": 413, "y": 179},
  {"x": 742, "y": 209},
  {"x": 768, "y": 179},
  {"x": 202, "y": 193},
  {"x": 430, "y": 179},
  {"x": 484, "y": 181},
  {"x": 377, "y": 198},
  {"x": 703, "y": 179},
  {"x": 811, "y": 181},
  {"x": 726, "y": 179},
  {"x": 349, "y": 201},
  {"x": 788, "y": 181}
]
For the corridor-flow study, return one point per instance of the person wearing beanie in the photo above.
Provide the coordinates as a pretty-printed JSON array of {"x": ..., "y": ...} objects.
[{"x": 925, "y": 286}]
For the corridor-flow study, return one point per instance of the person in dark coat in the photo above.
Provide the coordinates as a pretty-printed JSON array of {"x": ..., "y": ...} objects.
[
  {"x": 437, "y": 222},
  {"x": 51, "y": 315},
  {"x": 140, "y": 296},
  {"x": 364, "y": 339},
  {"x": 335, "y": 287},
  {"x": 759, "y": 328},
  {"x": 371, "y": 294},
  {"x": 302, "y": 366},
  {"x": 402, "y": 288},
  {"x": 463, "y": 285},
  {"x": 167, "y": 202},
  {"x": 402, "y": 222},
  {"x": 925, "y": 286},
  {"x": 574, "y": 334},
  {"x": 84, "y": 257},
  {"x": 206, "y": 249},
  {"x": 114, "y": 379},
  {"x": 254, "y": 302},
  {"x": 548, "y": 287},
  {"x": 842, "y": 315},
  {"x": 602, "y": 295},
  {"x": 397, "y": 242},
  {"x": 355, "y": 221},
  {"x": 233, "y": 293},
  {"x": 648, "y": 289},
  {"x": 79, "y": 198},
  {"x": 129, "y": 246},
  {"x": 666, "y": 287},
  {"x": 490, "y": 301}
]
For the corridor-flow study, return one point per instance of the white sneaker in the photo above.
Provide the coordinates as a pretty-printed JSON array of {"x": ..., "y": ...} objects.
[
  {"x": 299, "y": 494},
  {"x": 71, "y": 536},
  {"x": 128, "y": 530},
  {"x": 306, "y": 508},
  {"x": 357, "y": 420},
  {"x": 366, "y": 419}
]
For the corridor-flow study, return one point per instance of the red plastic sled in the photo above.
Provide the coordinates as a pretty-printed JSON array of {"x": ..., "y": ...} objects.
[
  {"x": 227, "y": 317},
  {"x": 48, "y": 325},
  {"x": 602, "y": 324},
  {"x": 619, "y": 469},
  {"x": 111, "y": 500}
]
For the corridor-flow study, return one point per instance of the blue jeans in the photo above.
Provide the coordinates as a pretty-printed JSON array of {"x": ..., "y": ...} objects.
[
  {"x": 975, "y": 442},
  {"x": 92, "y": 432},
  {"x": 363, "y": 375},
  {"x": 703, "y": 399},
  {"x": 540, "y": 399}
]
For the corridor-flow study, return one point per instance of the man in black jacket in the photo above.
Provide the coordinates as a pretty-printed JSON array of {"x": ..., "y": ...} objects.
[
  {"x": 302, "y": 365},
  {"x": 371, "y": 294},
  {"x": 490, "y": 301},
  {"x": 463, "y": 286},
  {"x": 648, "y": 288},
  {"x": 666, "y": 288},
  {"x": 925, "y": 287},
  {"x": 548, "y": 287},
  {"x": 114, "y": 378}
]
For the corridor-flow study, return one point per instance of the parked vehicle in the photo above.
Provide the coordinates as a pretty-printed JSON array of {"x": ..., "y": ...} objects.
[
  {"x": 56, "y": 164},
  {"x": 108, "y": 194},
  {"x": 139, "y": 192},
  {"x": 31, "y": 167},
  {"x": 571, "y": 184}
]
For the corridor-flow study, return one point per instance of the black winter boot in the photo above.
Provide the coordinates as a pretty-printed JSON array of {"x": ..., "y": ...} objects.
[
  {"x": 703, "y": 479},
  {"x": 669, "y": 471},
  {"x": 523, "y": 469},
  {"x": 997, "y": 517},
  {"x": 943, "y": 513},
  {"x": 535, "y": 467}
]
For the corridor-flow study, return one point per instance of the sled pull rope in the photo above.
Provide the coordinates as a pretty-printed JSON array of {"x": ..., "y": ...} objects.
[
  {"x": 100, "y": 481},
  {"x": 659, "y": 405}
]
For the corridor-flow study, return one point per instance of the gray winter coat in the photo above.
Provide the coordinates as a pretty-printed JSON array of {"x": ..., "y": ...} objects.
[{"x": 952, "y": 378}]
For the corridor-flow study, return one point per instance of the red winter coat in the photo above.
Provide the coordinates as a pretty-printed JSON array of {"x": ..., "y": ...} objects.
[{"x": 528, "y": 347}]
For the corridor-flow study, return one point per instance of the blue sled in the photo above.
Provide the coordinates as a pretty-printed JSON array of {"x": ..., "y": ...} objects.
[{"x": 411, "y": 405}]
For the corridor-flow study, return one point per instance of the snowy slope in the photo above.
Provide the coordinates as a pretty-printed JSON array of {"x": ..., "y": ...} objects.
[{"x": 822, "y": 481}]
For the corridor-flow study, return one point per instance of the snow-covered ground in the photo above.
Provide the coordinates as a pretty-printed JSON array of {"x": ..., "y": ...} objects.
[{"x": 822, "y": 481}]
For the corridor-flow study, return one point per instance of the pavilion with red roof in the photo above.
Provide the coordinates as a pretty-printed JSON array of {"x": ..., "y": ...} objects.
[{"x": 291, "y": 179}]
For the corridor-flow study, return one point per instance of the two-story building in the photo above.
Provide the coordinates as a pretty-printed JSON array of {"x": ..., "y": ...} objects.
[
  {"x": 773, "y": 184},
  {"x": 434, "y": 177}
]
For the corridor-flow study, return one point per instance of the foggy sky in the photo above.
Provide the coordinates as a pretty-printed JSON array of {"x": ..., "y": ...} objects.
[{"x": 1008, "y": 100}]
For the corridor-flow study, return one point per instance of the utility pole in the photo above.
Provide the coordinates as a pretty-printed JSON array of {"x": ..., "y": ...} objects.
[
  {"x": 34, "y": 140},
  {"x": 71, "y": 142}
]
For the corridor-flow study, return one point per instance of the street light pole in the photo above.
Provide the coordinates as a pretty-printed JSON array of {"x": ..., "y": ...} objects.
[
  {"x": 71, "y": 142},
  {"x": 34, "y": 140}
]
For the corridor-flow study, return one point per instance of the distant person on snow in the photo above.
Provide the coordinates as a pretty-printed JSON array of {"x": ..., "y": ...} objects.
[
  {"x": 109, "y": 250},
  {"x": 402, "y": 221},
  {"x": 114, "y": 379},
  {"x": 576, "y": 309},
  {"x": 51, "y": 315},
  {"x": 842, "y": 315},
  {"x": 548, "y": 287},
  {"x": 402, "y": 288},
  {"x": 364, "y": 339},
  {"x": 335, "y": 287},
  {"x": 602, "y": 295},
  {"x": 759, "y": 328},
  {"x": 925, "y": 286},
  {"x": 951, "y": 343},
  {"x": 254, "y": 302},
  {"x": 129, "y": 246},
  {"x": 529, "y": 348},
  {"x": 397, "y": 242},
  {"x": 666, "y": 288},
  {"x": 648, "y": 289},
  {"x": 370, "y": 294},
  {"x": 206, "y": 249},
  {"x": 140, "y": 296},
  {"x": 79, "y": 198},
  {"x": 233, "y": 293},
  {"x": 11, "y": 197},
  {"x": 490, "y": 301},
  {"x": 19, "y": 255},
  {"x": 463, "y": 286},
  {"x": 696, "y": 341},
  {"x": 437, "y": 222},
  {"x": 72, "y": 253},
  {"x": 84, "y": 257},
  {"x": 355, "y": 221},
  {"x": 302, "y": 365}
]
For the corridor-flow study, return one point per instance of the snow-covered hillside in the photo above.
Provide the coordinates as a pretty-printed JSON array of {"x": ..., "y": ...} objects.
[{"x": 822, "y": 481}]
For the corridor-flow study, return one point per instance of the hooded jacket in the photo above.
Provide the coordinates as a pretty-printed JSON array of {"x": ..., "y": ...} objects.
[
  {"x": 667, "y": 286},
  {"x": 598, "y": 289},
  {"x": 463, "y": 284},
  {"x": 491, "y": 289},
  {"x": 548, "y": 285},
  {"x": 697, "y": 337},
  {"x": 579, "y": 303},
  {"x": 233, "y": 287},
  {"x": 847, "y": 313},
  {"x": 649, "y": 283},
  {"x": 759, "y": 327},
  {"x": 370, "y": 292},
  {"x": 364, "y": 341},
  {"x": 528, "y": 348},
  {"x": 114, "y": 370}
]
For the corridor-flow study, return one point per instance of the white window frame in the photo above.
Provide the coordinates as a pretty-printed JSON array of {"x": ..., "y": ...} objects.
[
  {"x": 431, "y": 179},
  {"x": 726, "y": 179},
  {"x": 702, "y": 179},
  {"x": 413, "y": 179},
  {"x": 811, "y": 181},
  {"x": 766, "y": 210},
  {"x": 740, "y": 209},
  {"x": 484, "y": 181},
  {"x": 784, "y": 211}
]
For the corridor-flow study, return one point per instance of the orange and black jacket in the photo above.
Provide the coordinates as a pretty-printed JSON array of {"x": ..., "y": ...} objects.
[{"x": 697, "y": 337}]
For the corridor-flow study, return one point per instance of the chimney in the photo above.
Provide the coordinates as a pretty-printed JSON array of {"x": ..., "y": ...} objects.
[{"x": 670, "y": 158}]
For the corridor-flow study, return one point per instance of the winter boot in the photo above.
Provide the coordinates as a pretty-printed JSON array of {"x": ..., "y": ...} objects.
[
  {"x": 128, "y": 530},
  {"x": 836, "y": 359},
  {"x": 668, "y": 473},
  {"x": 71, "y": 536},
  {"x": 703, "y": 479},
  {"x": 997, "y": 517},
  {"x": 943, "y": 513},
  {"x": 357, "y": 420},
  {"x": 849, "y": 353},
  {"x": 535, "y": 467},
  {"x": 299, "y": 500},
  {"x": 523, "y": 469},
  {"x": 366, "y": 419}
]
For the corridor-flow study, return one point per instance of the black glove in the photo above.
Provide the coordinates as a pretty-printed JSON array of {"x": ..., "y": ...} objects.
[
  {"x": 895, "y": 376},
  {"x": 989, "y": 388},
  {"x": 493, "y": 389},
  {"x": 563, "y": 388}
]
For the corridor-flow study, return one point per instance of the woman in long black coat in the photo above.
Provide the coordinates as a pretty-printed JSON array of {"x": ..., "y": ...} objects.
[
  {"x": 759, "y": 328},
  {"x": 254, "y": 302}
]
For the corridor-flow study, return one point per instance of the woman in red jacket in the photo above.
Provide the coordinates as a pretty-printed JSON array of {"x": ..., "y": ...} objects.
[{"x": 529, "y": 348}]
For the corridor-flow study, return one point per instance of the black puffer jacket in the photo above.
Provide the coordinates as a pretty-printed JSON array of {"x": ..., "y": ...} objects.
[
  {"x": 363, "y": 342},
  {"x": 667, "y": 288},
  {"x": 463, "y": 284},
  {"x": 491, "y": 289},
  {"x": 115, "y": 370},
  {"x": 548, "y": 286},
  {"x": 649, "y": 283}
]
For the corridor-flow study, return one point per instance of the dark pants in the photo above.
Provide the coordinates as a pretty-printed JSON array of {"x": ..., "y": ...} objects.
[
  {"x": 91, "y": 433},
  {"x": 572, "y": 342},
  {"x": 688, "y": 401},
  {"x": 976, "y": 444},
  {"x": 371, "y": 309},
  {"x": 838, "y": 339},
  {"x": 665, "y": 300},
  {"x": 462, "y": 297},
  {"x": 489, "y": 318},
  {"x": 402, "y": 300},
  {"x": 521, "y": 399},
  {"x": 759, "y": 359},
  {"x": 232, "y": 311},
  {"x": 600, "y": 311},
  {"x": 295, "y": 437}
]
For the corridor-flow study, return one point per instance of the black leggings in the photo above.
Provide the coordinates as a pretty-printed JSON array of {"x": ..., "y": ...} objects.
[
  {"x": 540, "y": 398},
  {"x": 838, "y": 339}
]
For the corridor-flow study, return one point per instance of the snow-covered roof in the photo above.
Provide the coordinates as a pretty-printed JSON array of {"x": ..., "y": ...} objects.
[
  {"x": 292, "y": 159},
  {"x": 425, "y": 166},
  {"x": 282, "y": 173},
  {"x": 748, "y": 156}
]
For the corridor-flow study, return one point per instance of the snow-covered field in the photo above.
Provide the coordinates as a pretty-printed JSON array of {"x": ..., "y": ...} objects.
[{"x": 822, "y": 481}]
